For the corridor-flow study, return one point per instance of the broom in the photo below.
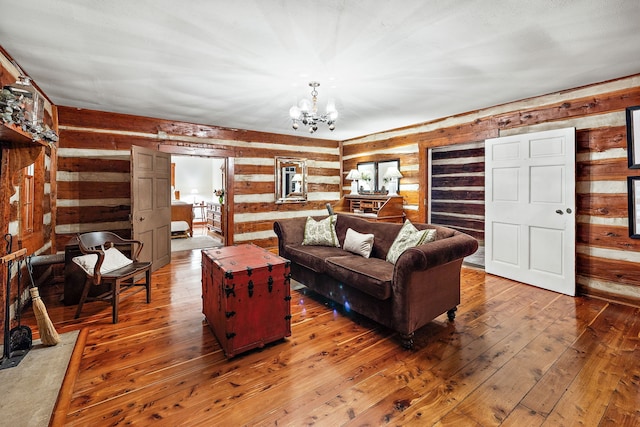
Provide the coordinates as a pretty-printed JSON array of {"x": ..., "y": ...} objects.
[{"x": 48, "y": 334}]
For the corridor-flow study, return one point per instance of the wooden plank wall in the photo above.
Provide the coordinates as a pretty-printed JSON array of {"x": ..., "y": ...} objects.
[
  {"x": 380, "y": 151},
  {"x": 94, "y": 172},
  {"x": 457, "y": 188},
  {"x": 14, "y": 157},
  {"x": 607, "y": 259}
]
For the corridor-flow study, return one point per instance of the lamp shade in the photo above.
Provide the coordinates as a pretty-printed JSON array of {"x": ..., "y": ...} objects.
[
  {"x": 392, "y": 172},
  {"x": 296, "y": 178},
  {"x": 353, "y": 174}
]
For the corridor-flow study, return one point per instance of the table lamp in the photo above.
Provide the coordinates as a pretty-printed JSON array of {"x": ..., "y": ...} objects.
[
  {"x": 354, "y": 176},
  {"x": 393, "y": 174}
]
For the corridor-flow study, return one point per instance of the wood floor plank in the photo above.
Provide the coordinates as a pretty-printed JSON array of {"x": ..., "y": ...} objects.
[
  {"x": 588, "y": 396},
  {"x": 515, "y": 355}
]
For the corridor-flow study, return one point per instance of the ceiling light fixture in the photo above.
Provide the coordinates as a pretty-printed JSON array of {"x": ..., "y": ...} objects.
[{"x": 306, "y": 112}]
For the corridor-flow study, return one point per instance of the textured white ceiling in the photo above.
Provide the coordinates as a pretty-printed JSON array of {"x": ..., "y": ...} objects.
[{"x": 385, "y": 63}]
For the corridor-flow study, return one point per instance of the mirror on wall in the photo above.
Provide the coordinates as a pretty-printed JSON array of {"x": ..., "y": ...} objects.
[
  {"x": 291, "y": 180},
  {"x": 374, "y": 177}
]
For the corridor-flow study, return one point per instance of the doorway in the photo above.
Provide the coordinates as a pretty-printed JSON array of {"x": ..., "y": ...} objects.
[
  {"x": 455, "y": 177},
  {"x": 200, "y": 182}
]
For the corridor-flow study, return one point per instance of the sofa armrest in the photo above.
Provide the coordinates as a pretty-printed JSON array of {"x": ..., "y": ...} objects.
[
  {"x": 289, "y": 231},
  {"x": 436, "y": 253},
  {"x": 426, "y": 281}
]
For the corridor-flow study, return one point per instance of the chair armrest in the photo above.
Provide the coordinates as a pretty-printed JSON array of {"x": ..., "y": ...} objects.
[
  {"x": 97, "y": 277},
  {"x": 135, "y": 244}
]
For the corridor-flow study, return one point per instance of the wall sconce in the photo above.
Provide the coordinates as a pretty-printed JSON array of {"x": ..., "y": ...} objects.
[
  {"x": 354, "y": 176},
  {"x": 393, "y": 174}
]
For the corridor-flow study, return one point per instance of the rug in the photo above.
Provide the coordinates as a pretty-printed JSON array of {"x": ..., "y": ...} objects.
[
  {"x": 30, "y": 390},
  {"x": 196, "y": 242}
]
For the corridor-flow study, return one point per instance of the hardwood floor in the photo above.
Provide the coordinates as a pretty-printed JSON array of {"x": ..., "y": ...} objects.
[{"x": 516, "y": 355}]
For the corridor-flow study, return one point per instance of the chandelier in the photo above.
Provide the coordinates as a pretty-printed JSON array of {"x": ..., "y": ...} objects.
[{"x": 306, "y": 112}]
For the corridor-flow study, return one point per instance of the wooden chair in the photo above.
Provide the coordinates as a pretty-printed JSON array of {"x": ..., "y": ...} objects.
[{"x": 119, "y": 280}]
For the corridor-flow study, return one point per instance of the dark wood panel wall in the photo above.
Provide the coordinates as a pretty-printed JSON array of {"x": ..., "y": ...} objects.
[
  {"x": 94, "y": 172},
  {"x": 607, "y": 259},
  {"x": 457, "y": 188}
]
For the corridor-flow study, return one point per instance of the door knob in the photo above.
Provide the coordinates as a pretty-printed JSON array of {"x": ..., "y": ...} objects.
[
  {"x": 141, "y": 218},
  {"x": 559, "y": 211},
  {"x": 569, "y": 210}
]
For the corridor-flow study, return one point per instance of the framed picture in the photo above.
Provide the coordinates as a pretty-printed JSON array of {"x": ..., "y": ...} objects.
[
  {"x": 633, "y": 183},
  {"x": 633, "y": 136}
]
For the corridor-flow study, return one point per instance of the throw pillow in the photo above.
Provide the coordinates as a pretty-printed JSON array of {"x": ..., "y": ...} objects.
[
  {"x": 113, "y": 260},
  {"x": 321, "y": 233},
  {"x": 358, "y": 243},
  {"x": 408, "y": 237}
]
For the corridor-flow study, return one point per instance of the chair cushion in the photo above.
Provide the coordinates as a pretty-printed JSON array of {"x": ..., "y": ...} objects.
[{"x": 113, "y": 260}]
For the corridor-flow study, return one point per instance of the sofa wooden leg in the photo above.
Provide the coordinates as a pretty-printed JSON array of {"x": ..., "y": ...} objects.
[
  {"x": 451, "y": 314},
  {"x": 407, "y": 340}
]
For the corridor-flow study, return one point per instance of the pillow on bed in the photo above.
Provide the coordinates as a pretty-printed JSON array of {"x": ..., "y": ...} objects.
[
  {"x": 358, "y": 243},
  {"x": 321, "y": 233},
  {"x": 408, "y": 237},
  {"x": 113, "y": 260}
]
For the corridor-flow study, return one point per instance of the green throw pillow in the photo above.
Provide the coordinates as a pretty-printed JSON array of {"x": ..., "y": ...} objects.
[
  {"x": 408, "y": 237},
  {"x": 321, "y": 233}
]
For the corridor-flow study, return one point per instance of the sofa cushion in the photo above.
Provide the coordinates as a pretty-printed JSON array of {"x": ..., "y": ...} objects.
[
  {"x": 312, "y": 257},
  {"x": 408, "y": 237},
  {"x": 321, "y": 233},
  {"x": 372, "y": 276},
  {"x": 358, "y": 243},
  {"x": 384, "y": 232}
]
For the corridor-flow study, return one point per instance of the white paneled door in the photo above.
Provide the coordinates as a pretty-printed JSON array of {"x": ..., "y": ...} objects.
[{"x": 530, "y": 209}]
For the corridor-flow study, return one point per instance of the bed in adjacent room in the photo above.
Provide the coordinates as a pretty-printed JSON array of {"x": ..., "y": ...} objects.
[{"x": 181, "y": 219}]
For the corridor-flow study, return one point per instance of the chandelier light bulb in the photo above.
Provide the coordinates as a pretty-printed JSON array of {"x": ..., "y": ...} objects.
[
  {"x": 294, "y": 112},
  {"x": 305, "y": 105}
]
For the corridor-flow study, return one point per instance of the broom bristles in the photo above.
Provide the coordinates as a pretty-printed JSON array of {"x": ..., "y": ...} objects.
[{"x": 48, "y": 334}]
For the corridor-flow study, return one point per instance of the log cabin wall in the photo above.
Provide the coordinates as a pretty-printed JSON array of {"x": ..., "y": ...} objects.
[
  {"x": 94, "y": 171},
  {"x": 17, "y": 151},
  {"x": 457, "y": 188},
  {"x": 606, "y": 257}
]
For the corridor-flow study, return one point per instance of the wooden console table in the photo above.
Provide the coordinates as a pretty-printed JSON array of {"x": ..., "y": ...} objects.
[{"x": 372, "y": 207}]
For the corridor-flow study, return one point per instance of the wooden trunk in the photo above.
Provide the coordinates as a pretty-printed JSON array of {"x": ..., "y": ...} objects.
[{"x": 245, "y": 296}]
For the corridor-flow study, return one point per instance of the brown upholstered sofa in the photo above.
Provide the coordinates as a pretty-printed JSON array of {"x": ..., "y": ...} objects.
[{"x": 423, "y": 283}]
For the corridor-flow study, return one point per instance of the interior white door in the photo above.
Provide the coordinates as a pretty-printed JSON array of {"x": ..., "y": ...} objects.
[
  {"x": 151, "y": 204},
  {"x": 530, "y": 209}
]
